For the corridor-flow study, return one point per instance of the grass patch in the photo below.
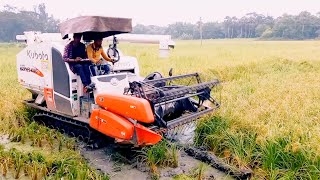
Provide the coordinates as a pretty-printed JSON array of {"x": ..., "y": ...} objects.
[
  {"x": 162, "y": 154},
  {"x": 269, "y": 118},
  {"x": 36, "y": 165},
  {"x": 273, "y": 159}
]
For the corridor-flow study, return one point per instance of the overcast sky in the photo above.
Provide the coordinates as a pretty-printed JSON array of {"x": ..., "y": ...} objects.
[{"x": 162, "y": 12}]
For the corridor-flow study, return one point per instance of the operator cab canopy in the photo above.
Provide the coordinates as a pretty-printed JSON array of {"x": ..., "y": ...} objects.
[{"x": 93, "y": 26}]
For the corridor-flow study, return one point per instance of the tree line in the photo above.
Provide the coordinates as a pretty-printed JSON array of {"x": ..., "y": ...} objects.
[
  {"x": 14, "y": 21},
  {"x": 253, "y": 25}
]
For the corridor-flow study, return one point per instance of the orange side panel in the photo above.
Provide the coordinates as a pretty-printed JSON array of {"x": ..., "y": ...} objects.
[
  {"x": 146, "y": 137},
  {"x": 48, "y": 95},
  {"x": 127, "y": 106},
  {"x": 111, "y": 124}
]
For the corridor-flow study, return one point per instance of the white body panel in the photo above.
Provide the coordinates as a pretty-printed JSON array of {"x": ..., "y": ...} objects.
[
  {"x": 144, "y": 38},
  {"x": 35, "y": 73},
  {"x": 164, "y": 41},
  {"x": 35, "y": 67},
  {"x": 127, "y": 63},
  {"x": 111, "y": 83}
]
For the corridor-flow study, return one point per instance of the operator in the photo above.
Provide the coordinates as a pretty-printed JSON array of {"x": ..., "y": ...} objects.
[
  {"x": 74, "y": 54},
  {"x": 94, "y": 51}
]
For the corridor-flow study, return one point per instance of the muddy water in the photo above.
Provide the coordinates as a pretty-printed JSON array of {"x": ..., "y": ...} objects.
[
  {"x": 5, "y": 142},
  {"x": 103, "y": 160},
  {"x": 26, "y": 147}
]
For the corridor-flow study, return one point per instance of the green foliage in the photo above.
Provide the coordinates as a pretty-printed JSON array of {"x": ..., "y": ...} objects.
[
  {"x": 267, "y": 34},
  {"x": 302, "y": 26},
  {"x": 161, "y": 154},
  {"x": 209, "y": 129},
  {"x": 280, "y": 158},
  {"x": 284, "y": 159},
  {"x": 14, "y": 22},
  {"x": 252, "y": 25},
  {"x": 36, "y": 165}
]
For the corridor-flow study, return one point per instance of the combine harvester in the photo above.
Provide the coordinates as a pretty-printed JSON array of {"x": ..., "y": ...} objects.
[{"x": 122, "y": 105}]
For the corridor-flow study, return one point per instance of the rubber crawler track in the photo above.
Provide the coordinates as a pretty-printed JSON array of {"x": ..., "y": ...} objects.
[{"x": 80, "y": 130}]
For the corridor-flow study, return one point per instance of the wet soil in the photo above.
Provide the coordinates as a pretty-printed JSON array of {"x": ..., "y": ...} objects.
[{"x": 120, "y": 168}]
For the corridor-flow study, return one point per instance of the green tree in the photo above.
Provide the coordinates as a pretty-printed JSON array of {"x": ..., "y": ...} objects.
[
  {"x": 178, "y": 29},
  {"x": 14, "y": 21},
  {"x": 212, "y": 30}
]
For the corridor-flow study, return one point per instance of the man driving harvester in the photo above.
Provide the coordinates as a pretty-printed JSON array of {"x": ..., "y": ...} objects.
[
  {"x": 94, "y": 52},
  {"x": 74, "y": 54}
]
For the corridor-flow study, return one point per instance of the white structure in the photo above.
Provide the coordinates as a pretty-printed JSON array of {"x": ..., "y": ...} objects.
[
  {"x": 165, "y": 42},
  {"x": 41, "y": 70}
]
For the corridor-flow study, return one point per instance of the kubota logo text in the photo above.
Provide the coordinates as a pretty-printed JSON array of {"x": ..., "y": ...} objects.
[{"x": 37, "y": 55}]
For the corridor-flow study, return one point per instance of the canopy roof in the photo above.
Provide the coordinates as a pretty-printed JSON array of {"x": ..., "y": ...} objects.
[{"x": 95, "y": 26}]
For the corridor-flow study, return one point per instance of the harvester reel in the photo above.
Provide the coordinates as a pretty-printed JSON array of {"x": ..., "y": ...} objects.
[
  {"x": 153, "y": 76},
  {"x": 175, "y": 106}
]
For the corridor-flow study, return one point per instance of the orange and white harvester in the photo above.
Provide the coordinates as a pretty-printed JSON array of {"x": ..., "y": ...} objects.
[{"x": 121, "y": 104}]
